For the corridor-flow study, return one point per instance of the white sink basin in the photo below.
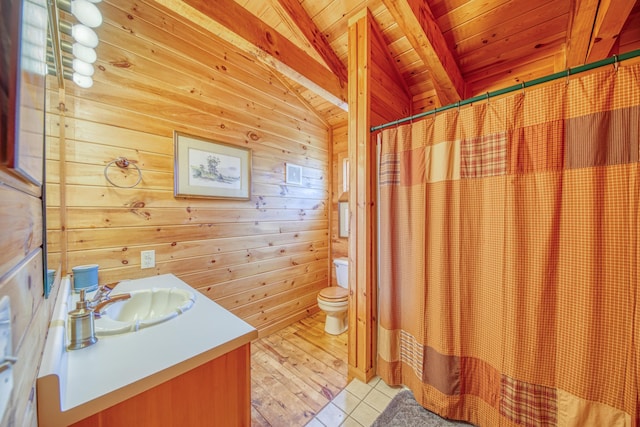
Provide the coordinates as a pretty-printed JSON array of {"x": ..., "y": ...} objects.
[{"x": 144, "y": 308}]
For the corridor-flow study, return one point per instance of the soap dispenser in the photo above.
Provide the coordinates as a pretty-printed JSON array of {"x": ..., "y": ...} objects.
[{"x": 81, "y": 325}]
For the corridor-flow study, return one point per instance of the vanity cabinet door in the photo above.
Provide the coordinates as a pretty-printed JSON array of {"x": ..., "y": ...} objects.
[{"x": 217, "y": 393}]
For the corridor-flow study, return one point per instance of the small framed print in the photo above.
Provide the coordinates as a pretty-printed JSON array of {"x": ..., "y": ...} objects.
[
  {"x": 206, "y": 168},
  {"x": 293, "y": 174}
]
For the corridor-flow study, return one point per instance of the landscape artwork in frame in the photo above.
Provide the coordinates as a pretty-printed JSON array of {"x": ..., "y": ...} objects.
[{"x": 206, "y": 168}]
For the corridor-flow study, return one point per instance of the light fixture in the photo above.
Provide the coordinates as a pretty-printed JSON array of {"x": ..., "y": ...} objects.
[
  {"x": 80, "y": 33},
  {"x": 84, "y": 82},
  {"x": 82, "y": 67},
  {"x": 85, "y": 40},
  {"x": 84, "y": 53},
  {"x": 84, "y": 35},
  {"x": 86, "y": 12}
]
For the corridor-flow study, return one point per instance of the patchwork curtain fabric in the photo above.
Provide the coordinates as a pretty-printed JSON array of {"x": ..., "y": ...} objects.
[{"x": 510, "y": 255}]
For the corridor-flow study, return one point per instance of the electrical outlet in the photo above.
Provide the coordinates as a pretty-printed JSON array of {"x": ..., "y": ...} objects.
[{"x": 147, "y": 259}]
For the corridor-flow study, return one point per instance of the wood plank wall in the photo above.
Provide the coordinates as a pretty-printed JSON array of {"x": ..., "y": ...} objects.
[
  {"x": 21, "y": 279},
  {"x": 264, "y": 259}
]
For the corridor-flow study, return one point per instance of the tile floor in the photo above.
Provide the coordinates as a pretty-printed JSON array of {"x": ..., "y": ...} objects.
[{"x": 358, "y": 405}]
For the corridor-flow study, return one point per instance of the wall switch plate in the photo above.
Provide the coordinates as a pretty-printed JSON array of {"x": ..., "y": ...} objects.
[{"x": 147, "y": 259}]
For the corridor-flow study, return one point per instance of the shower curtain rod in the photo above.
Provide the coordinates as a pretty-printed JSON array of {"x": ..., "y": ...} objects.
[{"x": 569, "y": 72}]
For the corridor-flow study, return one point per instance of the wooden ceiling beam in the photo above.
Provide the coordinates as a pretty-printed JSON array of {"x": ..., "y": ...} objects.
[
  {"x": 315, "y": 37},
  {"x": 234, "y": 24},
  {"x": 612, "y": 15},
  {"x": 417, "y": 22},
  {"x": 581, "y": 22}
]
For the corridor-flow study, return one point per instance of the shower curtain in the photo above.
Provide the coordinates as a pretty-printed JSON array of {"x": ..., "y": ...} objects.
[{"x": 509, "y": 256}]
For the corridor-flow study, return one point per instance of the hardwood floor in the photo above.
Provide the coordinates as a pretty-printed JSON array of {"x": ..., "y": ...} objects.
[{"x": 295, "y": 372}]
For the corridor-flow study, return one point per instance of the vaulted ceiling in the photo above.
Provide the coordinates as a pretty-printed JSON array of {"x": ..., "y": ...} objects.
[{"x": 446, "y": 50}]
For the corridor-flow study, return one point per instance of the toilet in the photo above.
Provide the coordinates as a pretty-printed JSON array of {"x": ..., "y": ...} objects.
[{"x": 334, "y": 300}]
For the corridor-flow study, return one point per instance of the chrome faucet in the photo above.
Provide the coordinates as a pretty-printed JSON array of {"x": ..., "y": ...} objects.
[
  {"x": 103, "y": 297},
  {"x": 102, "y": 294}
]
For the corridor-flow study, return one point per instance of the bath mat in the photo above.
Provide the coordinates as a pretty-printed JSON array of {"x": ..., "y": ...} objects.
[{"x": 404, "y": 411}]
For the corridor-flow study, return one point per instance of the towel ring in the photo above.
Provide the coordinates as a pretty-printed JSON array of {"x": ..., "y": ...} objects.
[{"x": 122, "y": 163}]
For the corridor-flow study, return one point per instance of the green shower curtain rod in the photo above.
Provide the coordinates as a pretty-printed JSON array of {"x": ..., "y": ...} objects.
[{"x": 569, "y": 72}]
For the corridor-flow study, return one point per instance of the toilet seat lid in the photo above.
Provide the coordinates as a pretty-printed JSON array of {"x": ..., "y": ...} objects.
[{"x": 334, "y": 293}]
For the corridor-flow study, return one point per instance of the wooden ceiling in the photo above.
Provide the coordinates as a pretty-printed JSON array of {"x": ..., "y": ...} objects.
[{"x": 446, "y": 50}]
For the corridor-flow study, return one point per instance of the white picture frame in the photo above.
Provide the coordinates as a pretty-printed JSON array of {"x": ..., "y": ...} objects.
[{"x": 293, "y": 174}]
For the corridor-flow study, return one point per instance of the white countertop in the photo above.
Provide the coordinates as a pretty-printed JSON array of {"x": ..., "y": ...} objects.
[{"x": 73, "y": 385}]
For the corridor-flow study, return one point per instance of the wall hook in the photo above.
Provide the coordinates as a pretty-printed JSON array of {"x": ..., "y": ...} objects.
[{"x": 122, "y": 162}]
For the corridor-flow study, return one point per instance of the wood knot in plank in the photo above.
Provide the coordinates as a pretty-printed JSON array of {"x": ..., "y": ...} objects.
[
  {"x": 121, "y": 64},
  {"x": 327, "y": 393},
  {"x": 142, "y": 214}
]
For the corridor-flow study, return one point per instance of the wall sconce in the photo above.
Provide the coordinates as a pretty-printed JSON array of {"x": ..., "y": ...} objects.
[
  {"x": 79, "y": 68},
  {"x": 83, "y": 53},
  {"x": 84, "y": 82},
  {"x": 82, "y": 67},
  {"x": 86, "y": 12},
  {"x": 80, "y": 33}
]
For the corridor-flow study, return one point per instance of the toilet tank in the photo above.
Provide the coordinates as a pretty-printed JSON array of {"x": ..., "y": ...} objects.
[{"x": 342, "y": 271}]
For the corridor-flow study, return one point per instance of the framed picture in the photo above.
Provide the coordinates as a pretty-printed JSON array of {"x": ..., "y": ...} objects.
[
  {"x": 293, "y": 174},
  {"x": 23, "y": 59},
  {"x": 205, "y": 168}
]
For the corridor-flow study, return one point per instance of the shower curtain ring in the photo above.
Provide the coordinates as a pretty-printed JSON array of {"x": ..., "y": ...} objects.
[
  {"x": 568, "y": 74},
  {"x": 615, "y": 63},
  {"x": 523, "y": 86}
]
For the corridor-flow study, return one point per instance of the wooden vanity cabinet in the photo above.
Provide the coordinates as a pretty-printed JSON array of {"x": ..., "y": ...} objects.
[{"x": 217, "y": 393}]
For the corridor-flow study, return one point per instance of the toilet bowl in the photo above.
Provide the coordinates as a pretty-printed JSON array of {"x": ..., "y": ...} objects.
[{"x": 334, "y": 300}]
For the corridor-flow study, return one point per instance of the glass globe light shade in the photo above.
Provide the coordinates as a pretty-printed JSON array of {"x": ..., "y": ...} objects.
[
  {"x": 84, "y": 53},
  {"x": 95, "y": 1},
  {"x": 84, "y": 35},
  {"x": 87, "y": 13},
  {"x": 84, "y": 82},
  {"x": 83, "y": 68}
]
